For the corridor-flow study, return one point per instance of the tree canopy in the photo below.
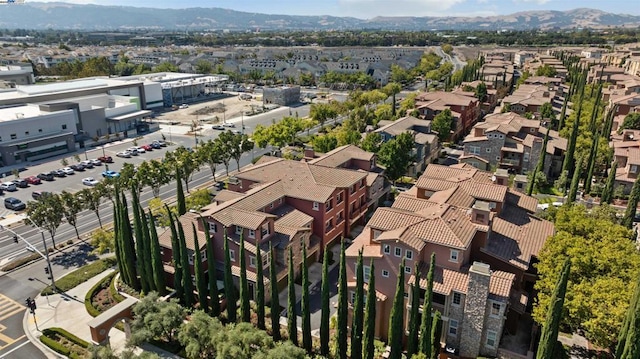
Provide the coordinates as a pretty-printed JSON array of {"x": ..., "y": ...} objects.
[{"x": 396, "y": 155}]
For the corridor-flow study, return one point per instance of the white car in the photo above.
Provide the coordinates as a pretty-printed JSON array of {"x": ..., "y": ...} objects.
[
  {"x": 141, "y": 149},
  {"x": 124, "y": 154},
  {"x": 96, "y": 162},
  {"x": 68, "y": 171},
  {"x": 133, "y": 151},
  {"x": 184, "y": 105},
  {"x": 90, "y": 181},
  {"x": 227, "y": 124},
  {"x": 8, "y": 186}
]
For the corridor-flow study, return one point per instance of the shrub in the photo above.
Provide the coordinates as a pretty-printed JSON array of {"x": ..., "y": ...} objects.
[
  {"x": 54, "y": 345},
  {"x": 81, "y": 275},
  {"x": 51, "y": 338},
  {"x": 88, "y": 299},
  {"x": 20, "y": 262}
]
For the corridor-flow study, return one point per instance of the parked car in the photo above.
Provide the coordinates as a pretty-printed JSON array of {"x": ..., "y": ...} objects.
[
  {"x": 14, "y": 204},
  {"x": 227, "y": 124},
  {"x": 141, "y": 149},
  {"x": 90, "y": 181},
  {"x": 21, "y": 182},
  {"x": 218, "y": 127},
  {"x": 162, "y": 143},
  {"x": 87, "y": 164},
  {"x": 147, "y": 147},
  {"x": 110, "y": 174},
  {"x": 68, "y": 171},
  {"x": 77, "y": 167},
  {"x": 8, "y": 186},
  {"x": 33, "y": 180},
  {"x": 133, "y": 151},
  {"x": 96, "y": 162},
  {"x": 37, "y": 195},
  {"x": 156, "y": 145},
  {"x": 184, "y": 105},
  {"x": 105, "y": 159},
  {"x": 124, "y": 154},
  {"x": 59, "y": 173},
  {"x": 46, "y": 176}
]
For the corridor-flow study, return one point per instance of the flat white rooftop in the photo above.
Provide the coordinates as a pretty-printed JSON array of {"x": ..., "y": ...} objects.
[{"x": 13, "y": 113}]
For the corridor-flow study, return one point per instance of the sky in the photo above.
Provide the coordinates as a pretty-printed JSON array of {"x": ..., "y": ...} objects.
[{"x": 365, "y": 9}]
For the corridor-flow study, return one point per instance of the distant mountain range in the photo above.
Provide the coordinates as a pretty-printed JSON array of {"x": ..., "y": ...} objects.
[{"x": 34, "y": 15}]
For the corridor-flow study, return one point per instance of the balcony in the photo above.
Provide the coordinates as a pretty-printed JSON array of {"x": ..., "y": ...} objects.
[{"x": 510, "y": 162}]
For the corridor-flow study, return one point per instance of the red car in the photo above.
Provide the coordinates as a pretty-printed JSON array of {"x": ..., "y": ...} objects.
[
  {"x": 105, "y": 159},
  {"x": 33, "y": 180},
  {"x": 147, "y": 147}
]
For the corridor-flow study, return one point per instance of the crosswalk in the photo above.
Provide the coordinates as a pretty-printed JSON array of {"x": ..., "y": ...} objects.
[{"x": 8, "y": 308}]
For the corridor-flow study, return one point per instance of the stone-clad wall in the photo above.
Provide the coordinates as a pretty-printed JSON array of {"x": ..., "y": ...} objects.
[{"x": 475, "y": 310}]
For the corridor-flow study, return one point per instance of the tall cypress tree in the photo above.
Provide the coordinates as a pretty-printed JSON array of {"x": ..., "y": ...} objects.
[
  {"x": 540, "y": 164},
  {"x": 260, "y": 289},
  {"x": 596, "y": 108},
  {"x": 396, "y": 330},
  {"x": 128, "y": 247},
  {"x": 117, "y": 240},
  {"x": 607, "y": 191},
  {"x": 305, "y": 304},
  {"x": 229, "y": 288},
  {"x": 182, "y": 204},
  {"x": 436, "y": 333},
  {"x": 591, "y": 164},
  {"x": 549, "y": 334},
  {"x": 575, "y": 182},
  {"x": 368, "y": 346},
  {"x": 425, "y": 326},
  {"x": 632, "y": 205},
  {"x": 245, "y": 305},
  {"x": 343, "y": 305},
  {"x": 147, "y": 260},
  {"x": 324, "y": 305},
  {"x": 358, "y": 310},
  {"x": 214, "y": 297},
  {"x": 563, "y": 112},
  {"x": 568, "y": 164},
  {"x": 629, "y": 321},
  {"x": 187, "y": 280},
  {"x": 292, "y": 325},
  {"x": 201, "y": 284},
  {"x": 275, "y": 300},
  {"x": 414, "y": 315},
  {"x": 139, "y": 242},
  {"x": 157, "y": 268},
  {"x": 175, "y": 250}
]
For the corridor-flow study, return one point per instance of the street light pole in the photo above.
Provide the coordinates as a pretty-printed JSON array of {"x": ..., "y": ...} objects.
[{"x": 46, "y": 253}]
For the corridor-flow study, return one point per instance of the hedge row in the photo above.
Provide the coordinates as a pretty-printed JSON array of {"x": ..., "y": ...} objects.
[
  {"x": 114, "y": 292},
  {"x": 81, "y": 275},
  {"x": 88, "y": 299},
  {"x": 49, "y": 338}
]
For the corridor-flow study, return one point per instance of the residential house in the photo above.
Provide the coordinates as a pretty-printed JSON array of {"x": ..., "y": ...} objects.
[
  {"x": 626, "y": 152},
  {"x": 510, "y": 141},
  {"x": 485, "y": 237},
  {"x": 529, "y": 98},
  {"x": 465, "y": 109},
  {"x": 426, "y": 143}
]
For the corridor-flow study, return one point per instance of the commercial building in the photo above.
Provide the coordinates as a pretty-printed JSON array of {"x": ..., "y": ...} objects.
[{"x": 283, "y": 96}]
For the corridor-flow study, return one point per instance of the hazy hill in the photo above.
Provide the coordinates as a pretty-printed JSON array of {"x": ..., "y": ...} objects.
[{"x": 33, "y": 15}]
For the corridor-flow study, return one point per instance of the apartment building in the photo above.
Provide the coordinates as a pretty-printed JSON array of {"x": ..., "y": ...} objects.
[
  {"x": 465, "y": 109},
  {"x": 529, "y": 98},
  {"x": 485, "y": 237},
  {"x": 626, "y": 152},
  {"x": 510, "y": 141}
]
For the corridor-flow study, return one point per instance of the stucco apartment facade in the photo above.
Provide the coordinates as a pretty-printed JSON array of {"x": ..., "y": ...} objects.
[
  {"x": 485, "y": 237},
  {"x": 465, "y": 109}
]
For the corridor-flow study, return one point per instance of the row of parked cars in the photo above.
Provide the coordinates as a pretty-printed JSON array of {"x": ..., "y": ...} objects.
[{"x": 136, "y": 150}]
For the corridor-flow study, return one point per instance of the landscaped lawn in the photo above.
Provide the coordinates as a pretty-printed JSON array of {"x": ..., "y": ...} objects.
[{"x": 81, "y": 275}]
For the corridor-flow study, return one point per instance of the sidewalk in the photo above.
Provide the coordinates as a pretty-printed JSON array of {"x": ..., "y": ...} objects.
[{"x": 67, "y": 311}]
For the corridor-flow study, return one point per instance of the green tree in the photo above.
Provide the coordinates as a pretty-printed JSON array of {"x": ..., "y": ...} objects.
[
  {"x": 47, "y": 213},
  {"x": 166, "y": 67},
  {"x": 260, "y": 289},
  {"x": 546, "y": 70},
  {"x": 357, "y": 321},
  {"x": 146, "y": 257},
  {"x": 603, "y": 263},
  {"x": 396, "y": 329},
  {"x": 275, "y": 301},
  {"x": 102, "y": 241},
  {"x": 368, "y": 340},
  {"x": 325, "y": 301},
  {"x": 321, "y": 112},
  {"x": 243, "y": 341},
  {"x": 550, "y": 328},
  {"x": 229, "y": 289},
  {"x": 414, "y": 316},
  {"x": 203, "y": 67},
  {"x": 425, "y": 325},
  {"x": 187, "y": 282},
  {"x": 575, "y": 182},
  {"x": 305, "y": 303},
  {"x": 436, "y": 333},
  {"x": 127, "y": 245},
  {"x": 182, "y": 205},
  {"x": 292, "y": 325},
  {"x": 632, "y": 205},
  {"x": 245, "y": 305},
  {"x": 341, "y": 332},
  {"x": 175, "y": 251},
  {"x": 481, "y": 92},
  {"x": 607, "y": 192},
  {"x": 71, "y": 206},
  {"x": 442, "y": 124},
  {"x": 372, "y": 142},
  {"x": 627, "y": 339},
  {"x": 214, "y": 299},
  {"x": 546, "y": 111},
  {"x": 153, "y": 173},
  {"x": 140, "y": 243},
  {"x": 198, "y": 335},
  {"x": 157, "y": 267},
  {"x": 154, "y": 319},
  {"x": 539, "y": 166},
  {"x": 447, "y": 48},
  {"x": 210, "y": 152},
  {"x": 631, "y": 121},
  {"x": 325, "y": 143},
  {"x": 396, "y": 155},
  {"x": 283, "y": 350},
  {"x": 201, "y": 284}
]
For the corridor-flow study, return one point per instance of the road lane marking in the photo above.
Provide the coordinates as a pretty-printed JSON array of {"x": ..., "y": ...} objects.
[{"x": 5, "y": 355}]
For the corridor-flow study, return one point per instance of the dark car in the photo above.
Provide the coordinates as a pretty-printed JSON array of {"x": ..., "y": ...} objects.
[
  {"x": 33, "y": 180},
  {"x": 77, "y": 167},
  {"x": 105, "y": 159},
  {"x": 59, "y": 173},
  {"x": 14, "y": 204},
  {"x": 37, "y": 195},
  {"x": 46, "y": 176},
  {"x": 21, "y": 182},
  {"x": 156, "y": 145}
]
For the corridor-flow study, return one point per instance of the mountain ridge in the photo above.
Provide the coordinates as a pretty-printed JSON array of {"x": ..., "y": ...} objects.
[{"x": 66, "y": 16}]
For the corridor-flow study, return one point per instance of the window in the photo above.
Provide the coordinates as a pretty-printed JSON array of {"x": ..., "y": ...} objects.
[
  {"x": 474, "y": 150},
  {"x": 213, "y": 227},
  {"x": 327, "y": 206},
  {"x": 363, "y": 182},
  {"x": 252, "y": 261},
  {"x": 328, "y": 225},
  {"x": 64, "y": 127},
  {"x": 479, "y": 217},
  {"x": 203, "y": 256},
  {"x": 265, "y": 230},
  {"x": 492, "y": 338},
  {"x": 457, "y": 299},
  {"x": 352, "y": 189},
  {"x": 238, "y": 230},
  {"x": 633, "y": 169},
  {"x": 271, "y": 205},
  {"x": 13, "y": 136},
  {"x": 316, "y": 206},
  {"x": 339, "y": 197},
  {"x": 453, "y": 256},
  {"x": 525, "y": 157},
  {"x": 252, "y": 233},
  {"x": 492, "y": 205},
  {"x": 367, "y": 273},
  {"x": 385, "y": 273},
  {"x": 497, "y": 158},
  {"x": 488, "y": 149},
  {"x": 232, "y": 255},
  {"x": 398, "y": 252},
  {"x": 191, "y": 259},
  {"x": 408, "y": 254},
  {"x": 385, "y": 248},
  {"x": 495, "y": 309},
  {"x": 453, "y": 327},
  {"x": 500, "y": 136},
  {"x": 407, "y": 269},
  {"x": 340, "y": 217},
  {"x": 280, "y": 200}
]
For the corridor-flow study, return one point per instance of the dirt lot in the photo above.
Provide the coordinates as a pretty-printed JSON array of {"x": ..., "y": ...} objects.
[{"x": 210, "y": 111}]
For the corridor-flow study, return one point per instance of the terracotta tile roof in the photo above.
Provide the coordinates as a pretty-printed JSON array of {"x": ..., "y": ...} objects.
[
  {"x": 379, "y": 295},
  {"x": 485, "y": 191},
  {"x": 295, "y": 219},
  {"x": 517, "y": 236},
  {"x": 186, "y": 219},
  {"x": 369, "y": 249},
  {"x": 445, "y": 281},
  {"x": 446, "y": 98},
  {"x": 341, "y": 155},
  {"x": 385, "y": 218},
  {"x": 409, "y": 202},
  {"x": 473, "y": 157},
  {"x": 500, "y": 285},
  {"x": 226, "y": 195},
  {"x": 238, "y": 217},
  {"x": 523, "y": 201}
]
